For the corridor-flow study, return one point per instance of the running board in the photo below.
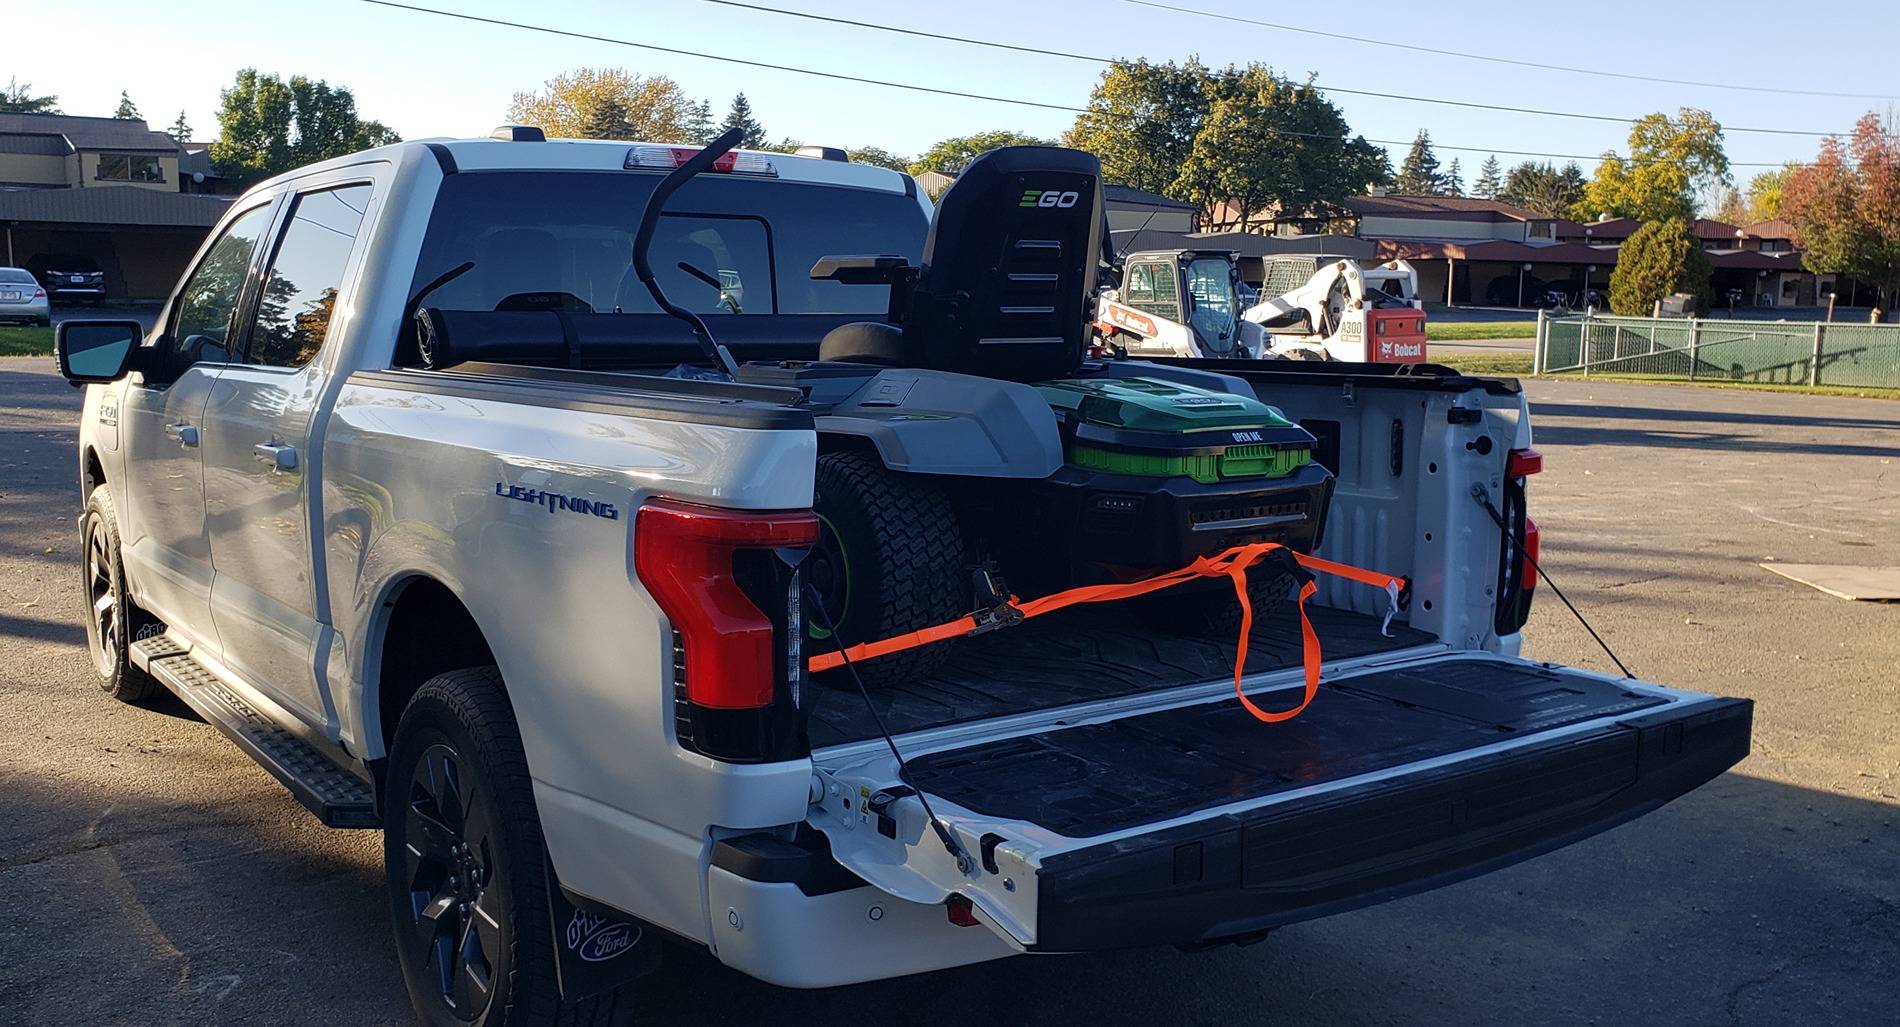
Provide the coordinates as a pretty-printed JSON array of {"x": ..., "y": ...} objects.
[{"x": 337, "y": 797}]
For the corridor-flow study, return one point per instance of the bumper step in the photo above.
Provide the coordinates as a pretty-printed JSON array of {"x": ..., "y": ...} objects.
[{"x": 337, "y": 797}]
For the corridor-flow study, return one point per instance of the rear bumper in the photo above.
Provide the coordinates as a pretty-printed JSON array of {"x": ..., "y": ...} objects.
[{"x": 1236, "y": 875}]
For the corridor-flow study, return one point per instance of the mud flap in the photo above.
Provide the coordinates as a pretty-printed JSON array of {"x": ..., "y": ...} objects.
[{"x": 596, "y": 948}]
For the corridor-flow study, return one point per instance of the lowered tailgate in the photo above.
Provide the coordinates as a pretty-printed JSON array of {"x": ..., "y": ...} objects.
[{"x": 1193, "y": 822}]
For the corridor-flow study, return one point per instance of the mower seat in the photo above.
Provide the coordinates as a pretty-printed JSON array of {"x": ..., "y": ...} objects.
[
  {"x": 1010, "y": 268},
  {"x": 866, "y": 342}
]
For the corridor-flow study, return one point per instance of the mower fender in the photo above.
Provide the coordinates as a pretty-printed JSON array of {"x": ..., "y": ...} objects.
[{"x": 939, "y": 422}]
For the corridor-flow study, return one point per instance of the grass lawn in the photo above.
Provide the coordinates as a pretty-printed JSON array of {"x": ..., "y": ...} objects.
[
  {"x": 19, "y": 341},
  {"x": 1518, "y": 365},
  {"x": 1509, "y": 365},
  {"x": 1465, "y": 331}
]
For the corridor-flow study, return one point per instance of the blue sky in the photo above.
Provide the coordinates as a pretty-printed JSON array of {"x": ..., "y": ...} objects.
[{"x": 428, "y": 76}]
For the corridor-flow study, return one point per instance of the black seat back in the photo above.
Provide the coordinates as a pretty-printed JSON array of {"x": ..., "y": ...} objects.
[{"x": 1009, "y": 273}]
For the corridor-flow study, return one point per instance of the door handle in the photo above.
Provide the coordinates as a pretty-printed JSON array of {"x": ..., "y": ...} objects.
[
  {"x": 185, "y": 434},
  {"x": 281, "y": 458}
]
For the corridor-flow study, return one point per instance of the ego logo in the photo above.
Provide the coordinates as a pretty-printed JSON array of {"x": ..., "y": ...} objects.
[{"x": 1060, "y": 198}]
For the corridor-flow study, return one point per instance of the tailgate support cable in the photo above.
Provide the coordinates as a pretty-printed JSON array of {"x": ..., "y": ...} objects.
[
  {"x": 1483, "y": 496},
  {"x": 965, "y": 864}
]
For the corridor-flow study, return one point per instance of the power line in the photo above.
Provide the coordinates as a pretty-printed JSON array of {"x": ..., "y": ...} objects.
[
  {"x": 1539, "y": 65},
  {"x": 913, "y": 87},
  {"x": 1094, "y": 59}
]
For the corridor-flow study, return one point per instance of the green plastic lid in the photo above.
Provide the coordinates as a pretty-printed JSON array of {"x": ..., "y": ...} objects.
[{"x": 1152, "y": 405}]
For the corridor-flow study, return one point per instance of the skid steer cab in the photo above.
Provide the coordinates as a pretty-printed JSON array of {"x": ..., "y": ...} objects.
[{"x": 1177, "y": 303}]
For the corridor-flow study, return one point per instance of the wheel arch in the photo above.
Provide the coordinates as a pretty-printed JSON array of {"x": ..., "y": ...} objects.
[{"x": 422, "y": 628}]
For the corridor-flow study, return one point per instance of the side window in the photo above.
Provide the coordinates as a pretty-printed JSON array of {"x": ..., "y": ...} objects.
[
  {"x": 293, "y": 311},
  {"x": 202, "y": 323},
  {"x": 1151, "y": 288}
]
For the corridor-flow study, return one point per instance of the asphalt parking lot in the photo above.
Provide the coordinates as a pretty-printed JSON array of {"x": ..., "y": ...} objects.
[{"x": 150, "y": 874}]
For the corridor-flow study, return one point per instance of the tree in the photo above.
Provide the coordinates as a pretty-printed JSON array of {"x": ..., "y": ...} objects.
[
  {"x": 878, "y": 157},
  {"x": 1490, "y": 179},
  {"x": 1452, "y": 183},
  {"x": 740, "y": 117},
  {"x": 1142, "y": 119},
  {"x": 127, "y": 109},
  {"x": 700, "y": 123},
  {"x": 1542, "y": 188},
  {"x": 652, "y": 108},
  {"x": 1730, "y": 207},
  {"x": 18, "y": 98},
  {"x": 607, "y": 119},
  {"x": 267, "y": 126},
  {"x": 1764, "y": 194},
  {"x": 1662, "y": 258},
  {"x": 952, "y": 155},
  {"x": 1268, "y": 144},
  {"x": 1671, "y": 162},
  {"x": 1418, "y": 173},
  {"x": 1846, "y": 208},
  {"x": 181, "y": 129}
]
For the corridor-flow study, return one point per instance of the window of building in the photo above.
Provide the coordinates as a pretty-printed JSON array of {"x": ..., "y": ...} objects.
[
  {"x": 130, "y": 167},
  {"x": 1543, "y": 230},
  {"x": 1775, "y": 246},
  {"x": 293, "y": 314}
]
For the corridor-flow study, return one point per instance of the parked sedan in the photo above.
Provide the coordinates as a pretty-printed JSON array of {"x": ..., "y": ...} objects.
[
  {"x": 69, "y": 277},
  {"x": 22, "y": 298}
]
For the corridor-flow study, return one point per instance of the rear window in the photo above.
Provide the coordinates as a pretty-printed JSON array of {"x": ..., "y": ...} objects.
[
  {"x": 727, "y": 245},
  {"x": 14, "y": 274}
]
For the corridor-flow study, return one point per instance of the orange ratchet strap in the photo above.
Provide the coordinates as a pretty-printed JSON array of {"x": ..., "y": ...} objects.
[{"x": 1232, "y": 563}]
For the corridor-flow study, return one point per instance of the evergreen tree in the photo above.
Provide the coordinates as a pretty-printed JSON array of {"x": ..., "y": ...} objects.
[
  {"x": 181, "y": 129},
  {"x": 607, "y": 120},
  {"x": 127, "y": 109},
  {"x": 1490, "y": 179},
  {"x": 1662, "y": 258},
  {"x": 1453, "y": 184},
  {"x": 1418, "y": 174},
  {"x": 18, "y": 98},
  {"x": 700, "y": 122},
  {"x": 740, "y": 117}
]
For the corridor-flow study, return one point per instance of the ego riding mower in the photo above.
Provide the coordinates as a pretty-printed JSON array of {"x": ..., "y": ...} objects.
[
  {"x": 966, "y": 441},
  {"x": 968, "y": 450}
]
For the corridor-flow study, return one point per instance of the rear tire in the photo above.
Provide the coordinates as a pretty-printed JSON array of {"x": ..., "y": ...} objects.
[
  {"x": 467, "y": 866},
  {"x": 113, "y": 621},
  {"x": 889, "y": 560}
]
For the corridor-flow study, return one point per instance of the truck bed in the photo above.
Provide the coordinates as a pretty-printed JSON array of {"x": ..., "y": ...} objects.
[{"x": 1081, "y": 655}]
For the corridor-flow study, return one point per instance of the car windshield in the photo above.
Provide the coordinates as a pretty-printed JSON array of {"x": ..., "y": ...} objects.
[{"x": 727, "y": 245}]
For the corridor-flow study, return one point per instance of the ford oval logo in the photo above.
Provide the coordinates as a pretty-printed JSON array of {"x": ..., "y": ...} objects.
[{"x": 609, "y": 942}]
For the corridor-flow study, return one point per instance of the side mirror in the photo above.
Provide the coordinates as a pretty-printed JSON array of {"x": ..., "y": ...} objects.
[{"x": 96, "y": 351}]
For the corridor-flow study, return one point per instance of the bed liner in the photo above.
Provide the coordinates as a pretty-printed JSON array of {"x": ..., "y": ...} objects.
[{"x": 1079, "y": 655}]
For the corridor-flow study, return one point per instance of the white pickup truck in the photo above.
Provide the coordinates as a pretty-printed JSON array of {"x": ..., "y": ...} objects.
[{"x": 456, "y": 604}]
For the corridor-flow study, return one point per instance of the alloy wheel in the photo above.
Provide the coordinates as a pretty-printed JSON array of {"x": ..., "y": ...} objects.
[
  {"x": 449, "y": 848},
  {"x": 102, "y": 595}
]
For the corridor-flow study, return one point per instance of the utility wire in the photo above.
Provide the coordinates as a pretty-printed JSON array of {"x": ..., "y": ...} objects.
[
  {"x": 1539, "y": 65},
  {"x": 913, "y": 87},
  {"x": 1092, "y": 59}
]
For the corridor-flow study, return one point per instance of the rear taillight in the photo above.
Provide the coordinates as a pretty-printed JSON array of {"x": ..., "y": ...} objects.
[
  {"x": 39, "y": 294},
  {"x": 1517, "y": 567},
  {"x": 727, "y": 580}
]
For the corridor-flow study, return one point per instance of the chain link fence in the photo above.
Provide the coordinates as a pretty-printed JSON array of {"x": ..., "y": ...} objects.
[{"x": 1775, "y": 352}]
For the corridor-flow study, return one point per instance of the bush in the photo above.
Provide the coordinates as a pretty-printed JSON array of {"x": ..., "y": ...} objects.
[{"x": 1663, "y": 257}]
